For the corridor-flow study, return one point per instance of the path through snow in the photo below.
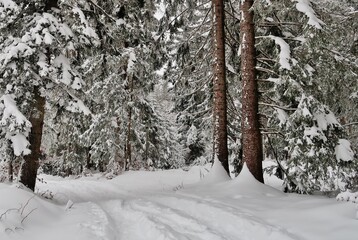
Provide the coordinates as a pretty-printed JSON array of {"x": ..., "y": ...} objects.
[{"x": 171, "y": 205}]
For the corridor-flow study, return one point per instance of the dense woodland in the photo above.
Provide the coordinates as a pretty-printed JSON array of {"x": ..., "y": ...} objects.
[{"x": 116, "y": 85}]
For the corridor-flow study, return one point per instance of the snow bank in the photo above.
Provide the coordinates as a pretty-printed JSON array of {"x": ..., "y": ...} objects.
[
  {"x": 21, "y": 212},
  {"x": 216, "y": 174},
  {"x": 348, "y": 196},
  {"x": 246, "y": 184},
  {"x": 144, "y": 206}
]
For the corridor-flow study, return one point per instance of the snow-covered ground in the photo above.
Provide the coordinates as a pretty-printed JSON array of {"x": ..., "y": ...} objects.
[{"x": 173, "y": 204}]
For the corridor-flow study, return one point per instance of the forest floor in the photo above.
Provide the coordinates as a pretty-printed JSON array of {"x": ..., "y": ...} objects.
[{"x": 170, "y": 205}]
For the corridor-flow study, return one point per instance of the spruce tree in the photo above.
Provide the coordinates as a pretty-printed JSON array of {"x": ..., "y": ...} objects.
[
  {"x": 309, "y": 137},
  {"x": 38, "y": 57}
]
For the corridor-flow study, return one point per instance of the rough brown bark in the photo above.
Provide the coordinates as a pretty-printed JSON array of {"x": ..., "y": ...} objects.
[
  {"x": 220, "y": 105},
  {"x": 251, "y": 135},
  {"x": 31, "y": 162}
]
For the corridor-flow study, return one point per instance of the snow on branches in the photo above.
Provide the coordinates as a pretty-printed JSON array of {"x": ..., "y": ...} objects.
[{"x": 14, "y": 125}]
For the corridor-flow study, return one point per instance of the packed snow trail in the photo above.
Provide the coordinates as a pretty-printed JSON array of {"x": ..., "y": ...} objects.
[
  {"x": 156, "y": 211},
  {"x": 174, "y": 205},
  {"x": 168, "y": 217}
]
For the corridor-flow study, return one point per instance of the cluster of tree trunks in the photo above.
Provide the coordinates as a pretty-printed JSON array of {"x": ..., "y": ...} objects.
[{"x": 251, "y": 135}]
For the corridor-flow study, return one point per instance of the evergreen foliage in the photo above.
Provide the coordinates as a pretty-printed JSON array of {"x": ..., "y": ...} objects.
[
  {"x": 128, "y": 85},
  {"x": 308, "y": 130}
]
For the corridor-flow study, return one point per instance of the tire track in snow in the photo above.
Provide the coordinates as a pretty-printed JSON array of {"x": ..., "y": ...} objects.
[
  {"x": 142, "y": 219},
  {"x": 135, "y": 224},
  {"x": 228, "y": 221},
  {"x": 181, "y": 225},
  {"x": 120, "y": 215},
  {"x": 99, "y": 224}
]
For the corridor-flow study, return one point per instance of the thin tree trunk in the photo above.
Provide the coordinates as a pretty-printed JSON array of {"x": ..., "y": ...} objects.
[
  {"x": 88, "y": 158},
  {"x": 252, "y": 142},
  {"x": 10, "y": 172},
  {"x": 128, "y": 144},
  {"x": 11, "y": 156},
  {"x": 128, "y": 155},
  {"x": 146, "y": 142},
  {"x": 118, "y": 157},
  {"x": 220, "y": 105},
  {"x": 31, "y": 162}
]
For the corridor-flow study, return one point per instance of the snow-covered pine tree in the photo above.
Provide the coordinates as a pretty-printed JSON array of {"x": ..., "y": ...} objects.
[
  {"x": 38, "y": 57},
  {"x": 187, "y": 34},
  {"x": 187, "y": 45},
  {"x": 232, "y": 41},
  {"x": 337, "y": 50},
  {"x": 127, "y": 130},
  {"x": 309, "y": 137}
]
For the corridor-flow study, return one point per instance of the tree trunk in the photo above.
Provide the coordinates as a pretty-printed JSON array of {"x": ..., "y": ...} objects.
[
  {"x": 10, "y": 172},
  {"x": 117, "y": 153},
  {"x": 146, "y": 142},
  {"x": 128, "y": 155},
  {"x": 31, "y": 162},
  {"x": 11, "y": 159},
  {"x": 220, "y": 108},
  {"x": 30, "y": 165},
  {"x": 89, "y": 163},
  {"x": 252, "y": 142}
]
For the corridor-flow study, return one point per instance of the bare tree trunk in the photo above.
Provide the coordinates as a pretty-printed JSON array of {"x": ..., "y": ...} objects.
[
  {"x": 128, "y": 143},
  {"x": 88, "y": 158},
  {"x": 11, "y": 160},
  {"x": 220, "y": 105},
  {"x": 252, "y": 142},
  {"x": 146, "y": 142},
  {"x": 10, "y": 172},
  {"x": 118, "y": 157},
  {"x": 128, "y": 155},
  {"x": 31, "y": 162}
]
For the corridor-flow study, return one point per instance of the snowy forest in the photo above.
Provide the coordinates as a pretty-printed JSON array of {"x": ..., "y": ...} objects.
[{"x": 255, "y": 101}]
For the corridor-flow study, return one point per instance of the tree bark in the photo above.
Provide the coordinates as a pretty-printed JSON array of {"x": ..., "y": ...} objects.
[
  {"x": 10, "y": 172},
  {"x": 31, "y": 162},
  {"x": 252, "y": 141},
  {"x": 128, "y": 153},
  {"x": 118, "y": 157},
  {"x": 30, "y": 165},
  {"x": 11, "y": 159},
  {"x": 220, "y": 105}
]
